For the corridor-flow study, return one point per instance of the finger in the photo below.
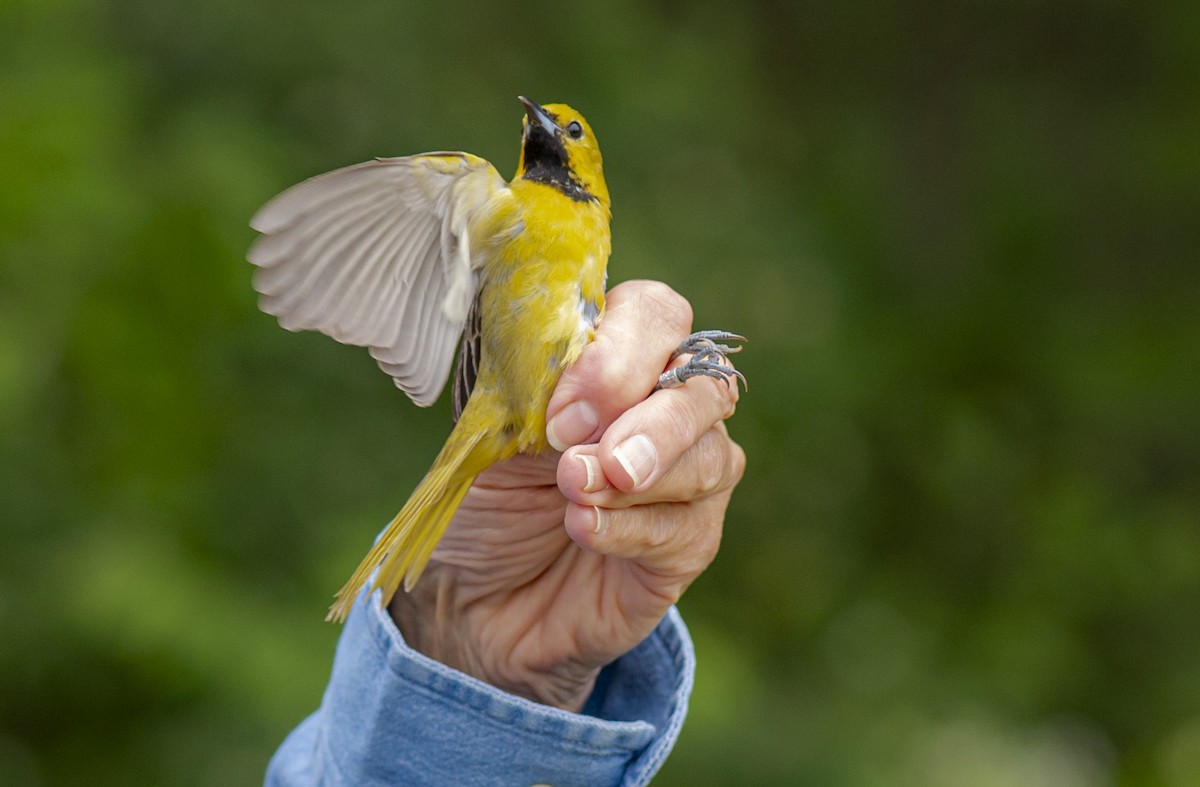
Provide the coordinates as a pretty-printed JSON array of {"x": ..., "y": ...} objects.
[
  {"x": 643, "y": 323},
  {"x": 674, "y": 539},
  {"x": 712, "y": 464}
]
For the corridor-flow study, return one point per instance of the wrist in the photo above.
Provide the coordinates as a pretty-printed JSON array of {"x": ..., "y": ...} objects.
[{"x": 432, "y": 625}]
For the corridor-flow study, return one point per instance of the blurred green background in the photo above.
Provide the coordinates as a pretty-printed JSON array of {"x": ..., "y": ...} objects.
[{"x": 962, "y": 238}]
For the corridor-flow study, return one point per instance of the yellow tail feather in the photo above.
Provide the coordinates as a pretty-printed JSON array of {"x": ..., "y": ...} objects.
[{"x": 405, "y": 547}]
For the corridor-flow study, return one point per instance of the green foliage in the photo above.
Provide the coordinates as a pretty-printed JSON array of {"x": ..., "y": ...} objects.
[{"x": 963, "y": 243}]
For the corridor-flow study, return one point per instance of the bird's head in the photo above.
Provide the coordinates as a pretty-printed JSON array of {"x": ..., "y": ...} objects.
[{"x": 559, "y": 149}]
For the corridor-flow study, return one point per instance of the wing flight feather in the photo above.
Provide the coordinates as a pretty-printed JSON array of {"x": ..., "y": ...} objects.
[{"x": 378, "y": 255}]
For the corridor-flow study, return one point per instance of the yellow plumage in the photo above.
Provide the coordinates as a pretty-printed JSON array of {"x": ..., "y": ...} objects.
[{"x": 400, "y": 255}]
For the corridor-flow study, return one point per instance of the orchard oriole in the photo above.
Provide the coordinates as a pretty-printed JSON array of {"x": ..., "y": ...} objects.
[{"x": 407, "y": 256}]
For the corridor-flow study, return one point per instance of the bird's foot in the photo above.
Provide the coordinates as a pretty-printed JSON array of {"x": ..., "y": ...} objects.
[{"x": 709, "y": 359}]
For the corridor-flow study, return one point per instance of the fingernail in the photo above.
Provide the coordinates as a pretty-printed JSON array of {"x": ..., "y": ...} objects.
[
  {"x": 595, "y": 474},
  {"x": 599, "y": 520},
  {"x": 572, "y": 426},
  {"x": 637, "y": 456}
]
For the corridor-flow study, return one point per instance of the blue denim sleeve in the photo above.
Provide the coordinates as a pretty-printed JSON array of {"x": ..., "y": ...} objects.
[{"x": 392, "y": 716}]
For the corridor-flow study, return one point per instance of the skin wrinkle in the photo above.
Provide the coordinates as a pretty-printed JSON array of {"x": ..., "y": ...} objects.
[
  {"x": 496, "y": 539},
  {"x": 529, "y": 507},
  {"x": 659, "y": 588},
  {"x": 522, "y": 470},
  {"x": 570, "y": 689}
]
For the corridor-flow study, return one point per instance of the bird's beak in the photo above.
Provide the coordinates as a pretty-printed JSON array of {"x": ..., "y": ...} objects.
[{"x": 538, "y": 116}]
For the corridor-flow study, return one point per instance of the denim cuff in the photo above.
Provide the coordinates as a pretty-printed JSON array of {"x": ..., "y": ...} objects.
[{"x": 391, "y": 715}]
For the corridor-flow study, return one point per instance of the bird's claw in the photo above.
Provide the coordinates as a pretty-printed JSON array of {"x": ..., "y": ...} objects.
[
  {"x": 708, "y": 359},
  {"x": 708, "y": 340}
]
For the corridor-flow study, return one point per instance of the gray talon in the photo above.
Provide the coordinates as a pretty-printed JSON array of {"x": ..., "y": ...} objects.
[
  {"x": 708, "y": 359},
  {"x": 708, "y": 340}
]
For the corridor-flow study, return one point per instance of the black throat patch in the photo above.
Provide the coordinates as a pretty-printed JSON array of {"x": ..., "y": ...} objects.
[{"x": 546, "y": 162}]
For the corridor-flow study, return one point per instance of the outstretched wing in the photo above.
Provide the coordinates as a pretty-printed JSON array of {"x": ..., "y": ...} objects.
[{"x": 378, "y": 255}]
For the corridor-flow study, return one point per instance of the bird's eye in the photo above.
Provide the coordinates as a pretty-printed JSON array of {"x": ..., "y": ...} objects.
[{"x": 574, "y": 129}]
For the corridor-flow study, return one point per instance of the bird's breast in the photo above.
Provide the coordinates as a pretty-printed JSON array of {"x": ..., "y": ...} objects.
[{"x": 541, "y": 295}]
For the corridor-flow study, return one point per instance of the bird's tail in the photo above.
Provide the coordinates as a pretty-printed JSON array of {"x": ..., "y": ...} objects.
[{"x": 403, "y": 550}]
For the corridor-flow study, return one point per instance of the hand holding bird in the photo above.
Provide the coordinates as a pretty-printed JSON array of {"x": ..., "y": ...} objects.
[{"x": 554, "y": 566}]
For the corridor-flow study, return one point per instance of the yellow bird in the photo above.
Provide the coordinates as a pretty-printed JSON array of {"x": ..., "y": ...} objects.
[{"x": 406, "y": 255}]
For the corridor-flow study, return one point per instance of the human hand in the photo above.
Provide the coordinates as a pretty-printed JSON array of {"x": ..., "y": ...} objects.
[{"x": 556, "y": 565}]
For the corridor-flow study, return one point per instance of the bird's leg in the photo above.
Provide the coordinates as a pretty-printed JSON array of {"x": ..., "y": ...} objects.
[{"x": 709, "y": 359}]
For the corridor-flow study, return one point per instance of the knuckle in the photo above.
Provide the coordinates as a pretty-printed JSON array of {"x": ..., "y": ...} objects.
[
  {"x": 667, "y": 304},
  {"x": 649, "y": 530},
  {"x": 711, "y": 463},
  {"x": 660, "y": 529},
  {"x": 705, "y": 539},
  {"x": 737, "y": 462},
  {"x": 708, "y": 548}
]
